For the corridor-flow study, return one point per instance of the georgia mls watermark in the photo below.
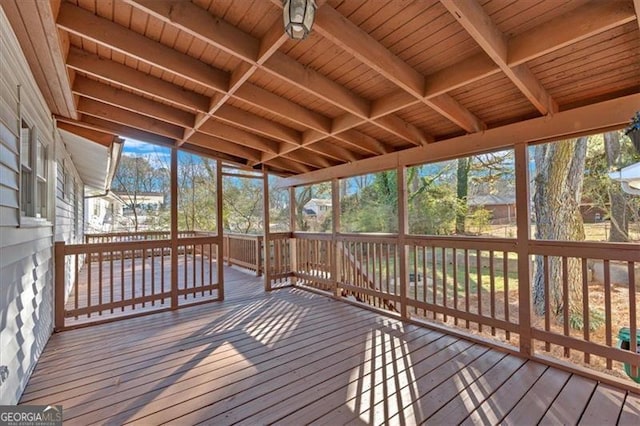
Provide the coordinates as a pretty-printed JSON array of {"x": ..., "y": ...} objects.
[{"x": 31, "y": 415}]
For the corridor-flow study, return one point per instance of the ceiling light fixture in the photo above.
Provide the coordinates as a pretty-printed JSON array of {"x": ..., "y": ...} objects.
[{"x": 298, "y": 18}]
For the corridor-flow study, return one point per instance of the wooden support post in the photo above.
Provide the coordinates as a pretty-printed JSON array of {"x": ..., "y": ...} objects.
[
  {"x": 293, "y": 252},
  {"x": 60, "y": 287},
  {"x": 267, "y": 248},
  {"x": 524, "y": 264},
  {"x": 219, "y": 228},
  {"x": 335, "y": 228},
  {"x": 174, "y": 228},
  {"x": 403, "y": 229}
]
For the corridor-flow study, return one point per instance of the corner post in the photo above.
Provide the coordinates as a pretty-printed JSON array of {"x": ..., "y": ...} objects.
[
  {"x": 266, "y": 220},
  {"x": 522, "y": 243},
  {"x": 293, "y": 246},
  {"x": 174, "y": 228},
  {"x": 60, "y": 288},
  {"x": 335, "y": 225},
  {"x": 403, "y": 229},
  {"x": 259, "y": 239},
  {"x": 219, "y": 227}
]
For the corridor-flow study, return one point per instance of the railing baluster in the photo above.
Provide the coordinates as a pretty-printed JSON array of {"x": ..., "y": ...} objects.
[
  {"x": 143, "y": 270},
  {"x": 111, "y": 280},
  {"x": 607, "y": 308},
  {"x": 565, "y": 301},
  {"x": 505, "y": 280},
  {"x": 89, "y": 256},
  {"x": 479, "y": 284},
  {"x": 100, "y": 257},
  {"x": 547, "y": 300},
  {"x": 585, "y": 306},
  {"x": 454, "y": 266},
  {"x": 466, "y": 284},
  {"x": 122, "y": 289},
  {"x": 444, "y": 281},
  {"x": 492, "y": 285}
]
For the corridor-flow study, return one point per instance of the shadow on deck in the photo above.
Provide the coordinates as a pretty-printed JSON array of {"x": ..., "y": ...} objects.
[{"x": 293, "y": 357}]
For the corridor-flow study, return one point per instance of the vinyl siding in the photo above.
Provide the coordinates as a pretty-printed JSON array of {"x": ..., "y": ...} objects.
[{"x": 26, "y": 250}]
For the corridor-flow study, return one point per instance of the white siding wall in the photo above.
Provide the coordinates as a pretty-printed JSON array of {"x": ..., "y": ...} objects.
[
  {"x": 69, "y": 206},
  {"x": 26, "y": 252}
]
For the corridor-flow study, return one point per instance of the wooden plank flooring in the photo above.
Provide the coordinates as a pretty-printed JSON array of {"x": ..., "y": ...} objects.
[{"x": 292, "y": 357}]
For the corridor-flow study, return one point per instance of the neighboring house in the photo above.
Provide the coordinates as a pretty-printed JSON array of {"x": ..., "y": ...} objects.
[
  {"x": 317, "y": 207},
  {"x": 502, "y": 208},
  {"x": 146, "y": 204},
  {"x": 44, "y": 173},
  {"x": 103, "y": 214}
]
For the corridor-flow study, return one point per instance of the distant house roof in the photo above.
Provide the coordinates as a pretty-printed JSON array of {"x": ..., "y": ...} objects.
[
  {"x": 629, "y": 177},
  {"x": 490, "y": 200},
  {"x": 319, "y": 202}
]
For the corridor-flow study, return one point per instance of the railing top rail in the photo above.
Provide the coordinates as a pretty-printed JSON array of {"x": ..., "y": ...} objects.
[
  {"x": 115, "y": 246},
  {"x": 243, "y": 236}
]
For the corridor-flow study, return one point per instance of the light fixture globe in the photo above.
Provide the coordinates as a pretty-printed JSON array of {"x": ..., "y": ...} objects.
[{"x": 298, "y": 18}]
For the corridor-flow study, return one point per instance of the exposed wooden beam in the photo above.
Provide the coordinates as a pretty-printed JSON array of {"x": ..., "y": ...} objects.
[
  {"x": 106, "y": 33},
  {"x": 288, "y": 165},
  {"x": 332, "y": 25},
  {"x": 342, "y": 32},
  {"x": 584, "y": 120},
  {"x": 221, "y": 145},
  {"x": 126, "y": 131},
  {"x": 259, "y": 125},
  {"x": 576, "y": 25},
  {"x": 197, "y": 22},
  {"x": 134, "y": 103},
  {"x": 310, "y": 158},
  {"x": 128, "y": 118},
  {"x": 134, "y": 80},
  {"x": 479, "y": 25},
  {"x": 233, "y": 134},
  {"x": 97, "y": 136}
]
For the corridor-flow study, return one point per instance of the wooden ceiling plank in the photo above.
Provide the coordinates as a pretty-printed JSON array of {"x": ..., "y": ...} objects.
[
  {"x": 467, "y": 71},
  {"x": 126, "y": 100},
  {"x": 480, "y": 27},
  {"x": 400, "y": 128},
  {"x": 217, "y": 144},
  {"x": 36, "y": 35},
  {"x": 239, "y": 136},
  {"x": 574, "y": 26},
  {"x": 104, "y": 32},
  {"x": 636, "y": 5},
  {"x": 127, "y": 118},
  {"x": 363, "y": 141},
  {"x": 138, "y": 81}
]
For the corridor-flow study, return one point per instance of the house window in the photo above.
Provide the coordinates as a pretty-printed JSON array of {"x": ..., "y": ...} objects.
[{"x": 33, "y": 161}]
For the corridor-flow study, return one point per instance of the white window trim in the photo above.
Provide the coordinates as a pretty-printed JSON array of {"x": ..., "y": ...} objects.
[{"x": 30, "y": 216}]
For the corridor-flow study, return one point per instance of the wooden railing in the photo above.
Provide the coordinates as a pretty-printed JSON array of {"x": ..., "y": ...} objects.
[
  {"x": 476, "y": 285},
  {"x": 244, "y": 250},
  {"x": 131, "y": 276},
  {"x": 278, "y": 260}
]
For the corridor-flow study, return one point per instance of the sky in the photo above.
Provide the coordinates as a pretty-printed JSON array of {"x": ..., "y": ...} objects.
[{"x": 157, "y": 155}]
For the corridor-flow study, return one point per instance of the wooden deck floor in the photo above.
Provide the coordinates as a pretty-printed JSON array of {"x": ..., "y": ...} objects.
[{"x": 292, "y": 357}]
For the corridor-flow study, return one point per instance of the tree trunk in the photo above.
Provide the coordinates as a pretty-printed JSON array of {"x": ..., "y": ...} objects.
[
  {"x": 617, "y": 203},
  {"x": 557, "y": 195},
  {"x": 462, "y": 190}
]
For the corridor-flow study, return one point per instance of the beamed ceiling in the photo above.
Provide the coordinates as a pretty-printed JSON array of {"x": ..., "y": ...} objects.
[{"x": 374, "y": 77}]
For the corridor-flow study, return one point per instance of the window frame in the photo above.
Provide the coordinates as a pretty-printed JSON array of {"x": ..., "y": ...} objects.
[{"x": 34, "y": 177}]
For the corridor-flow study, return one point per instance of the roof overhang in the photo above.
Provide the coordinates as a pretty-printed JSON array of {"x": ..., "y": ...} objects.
[{"x": 96, "y": 163}]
